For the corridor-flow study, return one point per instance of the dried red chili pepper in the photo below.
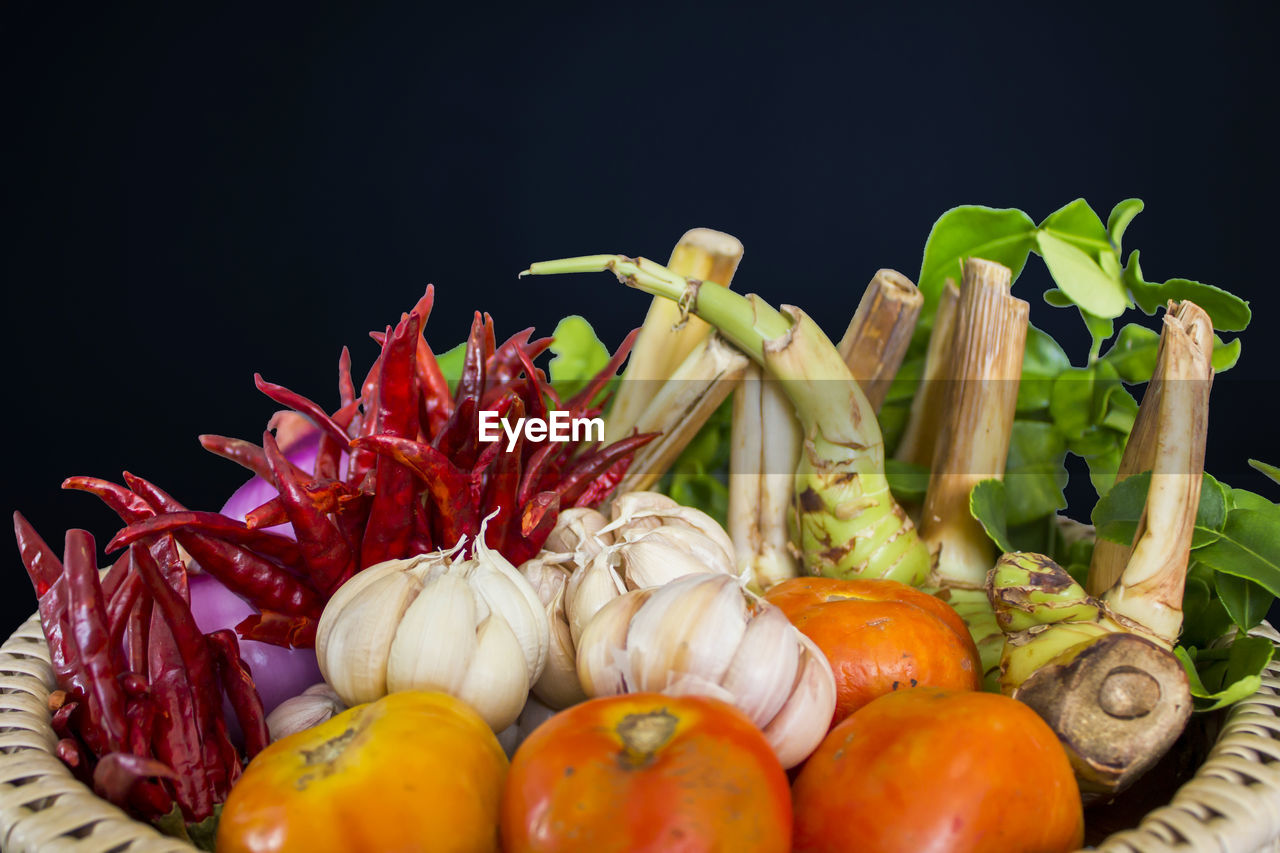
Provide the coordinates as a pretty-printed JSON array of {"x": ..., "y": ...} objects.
[
  {"x": 237, "y": 681},
  {"x": 324, "y": 552},
  {"x": 273, "y": 545}
]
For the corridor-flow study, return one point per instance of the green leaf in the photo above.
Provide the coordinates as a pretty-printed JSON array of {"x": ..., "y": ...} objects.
[
  {"x": 1116, "y": 515},
  {"x": 451, "y": 364},
  {"x": 1121, "y": 215},
  {"x": 1104, "y": 464},
  {"x": 1245, "y": 499},
  {"x": 1005, "y": 236},
  {"x": 1271, "y": 472},
  {"x": 1133, "y": 354},
  {"x": 1228, "y": 312},
  {"x": 1225, "y": 355},
  {"x": 1211, "y": 700},
  {"x": 1249, "y": 547},
  {"x": 1035, "y": 474},
  {"x": 1057, "y": 298},
  {"x": 1100, "y": 331},
  {"x": 1204, "y": 619},
  {"x": 578, "y": 355},
  {"x": 1080, "y": 277},
  {"x": 1244, "y": 600},
  {"x": 1071, "y": 401},
  {"x": 1042, "y": 361},
  {"x": 1077, "y": 224},
  {"x": 908, "y": 482},
  {"x": 987, "y": 505}
]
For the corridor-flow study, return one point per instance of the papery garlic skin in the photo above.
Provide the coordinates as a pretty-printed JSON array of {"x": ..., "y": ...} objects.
[
  {"x": 577, "y": 532},
  {"x": 472, "y": 628},
  {"x": 706, "y": 635},
  {"x": 309, "y": 708}
]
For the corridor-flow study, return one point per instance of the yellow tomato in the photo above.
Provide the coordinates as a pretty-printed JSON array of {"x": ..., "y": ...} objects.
[{"x": 414, "y": 771}]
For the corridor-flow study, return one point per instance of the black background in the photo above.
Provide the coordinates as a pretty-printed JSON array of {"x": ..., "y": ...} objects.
[{"x": 191, "y": 196}]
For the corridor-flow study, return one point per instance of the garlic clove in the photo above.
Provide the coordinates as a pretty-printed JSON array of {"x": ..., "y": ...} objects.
[
  {"x": 310, "y": 708},
  {"x": 435, "y": 642},
  {"x": 577, "y": 531},
  {"x": 497, "y": 683},
  {"x": 589, "y": 589},
  {"x": 362, "y": 638},
  {"x": 603, "y": 668},
  {"x": 691, "y": 627},
  {"x": 558, "y": 685},
  {"x": 347, "y": 593},
  {"x": 509, "y": 595},
  {"x": 764, "y": 667},
  {"x": 506, "y": 591},
  {"x": 547, "y": 574},
  {"x": 803, "y": 721},
  {"x": 660, "y": 556}
]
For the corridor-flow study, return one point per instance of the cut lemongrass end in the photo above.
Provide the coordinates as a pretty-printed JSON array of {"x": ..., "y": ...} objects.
[
  {"x": 876, "y": 340},
  {"x": 670, "y": 333},
  {"x": 1117, "y": 703}
]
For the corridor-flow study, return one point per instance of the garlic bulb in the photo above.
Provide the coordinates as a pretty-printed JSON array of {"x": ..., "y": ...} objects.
[
  {"x": 309, "y": 708},
  {"x": 473, "y": 628},
  {"x": 706, "y": 635},
  {"x": 548, "y": 574}
]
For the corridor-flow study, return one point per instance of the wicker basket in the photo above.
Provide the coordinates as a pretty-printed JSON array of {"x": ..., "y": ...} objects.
[{"x": 1231, "y": 804}]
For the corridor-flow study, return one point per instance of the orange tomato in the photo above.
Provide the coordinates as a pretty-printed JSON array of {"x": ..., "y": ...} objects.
[
  {"x": 880, "y": 636},
  {"x": 931, "y": 769},
  {"x": 646, "y": 772},
  {"x": 414, "y": 771}
]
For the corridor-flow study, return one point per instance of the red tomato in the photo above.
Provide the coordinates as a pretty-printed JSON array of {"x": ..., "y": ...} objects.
[{"x": 646, "y": 772}]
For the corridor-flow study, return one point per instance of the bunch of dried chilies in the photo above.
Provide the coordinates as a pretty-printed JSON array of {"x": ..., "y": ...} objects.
[{"x": 399, "y": 471}]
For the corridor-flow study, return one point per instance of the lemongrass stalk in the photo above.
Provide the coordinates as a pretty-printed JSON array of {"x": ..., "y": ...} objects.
[
  {"x": 976, "y": 424},
  {"x": 682, "y": 404},
  {"x": 765, "y": 445},
  {"x": 1149, "y": 590},
  {"x": 848, "y": 523},
  {"x": 921, "y": 433},
  {"x": 974, "y": 427},
  {"x": 878, "y": 335},
  {"x": 669, "y": 334},
  {"x": 1116, "y": 699}
]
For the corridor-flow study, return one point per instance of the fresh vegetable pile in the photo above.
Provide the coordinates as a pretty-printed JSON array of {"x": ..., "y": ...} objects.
[{"x": 644, "y": 633}]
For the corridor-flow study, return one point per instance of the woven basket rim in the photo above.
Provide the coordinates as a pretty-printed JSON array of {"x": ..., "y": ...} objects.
[{"x": 1232, "y": 803}]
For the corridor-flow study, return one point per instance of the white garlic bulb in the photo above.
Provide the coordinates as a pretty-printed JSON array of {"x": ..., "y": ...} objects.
[
  {"x": 706, "y": 635},
  {"x": 473, "y": 628},
  {"x": 558, "y": 686},
  {"x": 309, "y": 708}
]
